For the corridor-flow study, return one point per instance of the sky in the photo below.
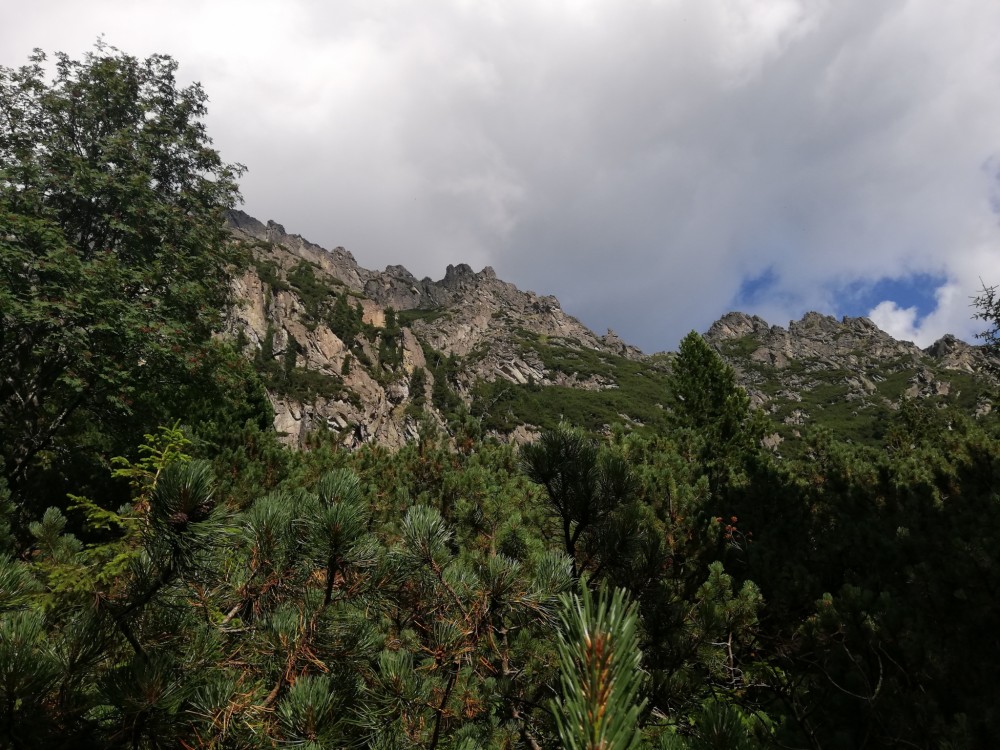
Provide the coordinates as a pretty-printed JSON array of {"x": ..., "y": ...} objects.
[{"x": 653, "y": 163}]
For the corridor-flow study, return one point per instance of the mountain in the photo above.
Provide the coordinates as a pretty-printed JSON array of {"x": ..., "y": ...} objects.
[
  {"x": 847, "y": 375},
  {"x": 463, "y": 330},
  {"x": 368, "y": 355}
]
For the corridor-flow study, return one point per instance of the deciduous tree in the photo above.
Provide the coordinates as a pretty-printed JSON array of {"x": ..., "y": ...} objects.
[{"x": 114, "y": 259}]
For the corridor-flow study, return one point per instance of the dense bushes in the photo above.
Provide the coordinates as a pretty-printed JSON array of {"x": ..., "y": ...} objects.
[{"x": 410, "y": 598}]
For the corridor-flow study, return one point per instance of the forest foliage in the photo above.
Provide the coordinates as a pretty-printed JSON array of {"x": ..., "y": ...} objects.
[{"x": 171, "y": 576}]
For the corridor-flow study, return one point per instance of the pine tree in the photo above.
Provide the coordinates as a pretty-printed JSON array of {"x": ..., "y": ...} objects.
[
  {"x": 713, "y": 416},
  {"x": 587, "y": 488},
  {"x": 987, "y": 305},
  {"x": 704, "y": 393}
]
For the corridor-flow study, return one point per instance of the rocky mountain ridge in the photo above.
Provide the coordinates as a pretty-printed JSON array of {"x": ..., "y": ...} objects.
[
  {"x": 369, "y": 355},
  {"x": 848, "y": 370},
  {"x": 471, "y": 317}
]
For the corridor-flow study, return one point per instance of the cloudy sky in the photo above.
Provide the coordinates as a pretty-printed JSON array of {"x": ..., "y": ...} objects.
[{"x": 653, "y": 163}]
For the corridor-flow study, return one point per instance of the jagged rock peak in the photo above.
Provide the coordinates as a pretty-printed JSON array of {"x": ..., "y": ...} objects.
[
  {"x": 461, "y": 275},
  {"x": 945, "y": 346},
  {"x": 243, "y": 221},
  {"x": 400, "y": 272},
  {"x": 812, "y": 325},
  {"x": 614, "y": 342},
  {"x": 817, "y": 318},
  {"x": 455, "y": 277},
  {"x": 815, "y": 337},
  {"x": 954, "y": 354},
  {"x": 491, "y": 331},
  {"x": 462, "y": 269},
  {"x": 814, "y": 322},
  {"x": 734, "y": 325},
  {"x": 861, "y": 324},
  {"x": 246, "y": 225},
  {"x": 858, "y": 367}
]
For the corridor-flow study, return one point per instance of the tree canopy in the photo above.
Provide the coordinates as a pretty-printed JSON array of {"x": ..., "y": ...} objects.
[{"x": 114, "y": 258}]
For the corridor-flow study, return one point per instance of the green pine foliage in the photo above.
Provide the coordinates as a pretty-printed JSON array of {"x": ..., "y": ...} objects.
[
  {"x": 345, "y": 320},
  {"x": 987, "y": 309},
  {"x": 600, "y": 662},
  {"x": 418, "y": 392},
  {"x": 313, "y": 293},
  {"x": 411, "y": 598},
  {"x": 588, "y": 490},
  {"x": 390, "y": 351},
  {"x": 443, "y": 370}
]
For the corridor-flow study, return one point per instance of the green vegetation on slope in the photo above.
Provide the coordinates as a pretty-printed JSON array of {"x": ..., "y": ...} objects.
[
  {"x": 408, "y": 317},
  {"x": 629, "y": 392},
  {"x": 830, "y": 397}
]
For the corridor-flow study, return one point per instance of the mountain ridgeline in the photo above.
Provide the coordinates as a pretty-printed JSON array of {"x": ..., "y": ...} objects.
[{"x": 369, "y": 355}]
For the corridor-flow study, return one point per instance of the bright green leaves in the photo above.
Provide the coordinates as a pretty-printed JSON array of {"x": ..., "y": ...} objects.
[
  {"x": 168, "y": 445},
  {"x": 112, "y": 147},
  {"x": 599, "y": 660}
]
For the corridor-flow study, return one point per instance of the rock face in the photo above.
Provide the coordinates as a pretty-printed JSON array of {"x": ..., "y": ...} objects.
[
  {"x": 367, "y": 355},
  {"x": 954, "y": 354},
  {"x": 471, "y": 318},
  {"x": 820, "y": 340},
  {"x": 821, "y": 366}
]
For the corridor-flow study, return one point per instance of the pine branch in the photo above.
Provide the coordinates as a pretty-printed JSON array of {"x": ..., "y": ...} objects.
[{"x": 600, "y": 663}]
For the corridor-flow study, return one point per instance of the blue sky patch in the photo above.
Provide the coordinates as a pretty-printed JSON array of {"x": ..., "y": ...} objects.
[
  {"x": 859, "y": 297},
  {"x": 754, "y": 289}
]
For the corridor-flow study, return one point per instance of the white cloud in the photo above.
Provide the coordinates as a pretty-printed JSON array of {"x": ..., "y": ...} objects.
[
  {"x": 972, "y": 267},
  {"x": 638, "y": 160},
  {"x": 898, "y": 322}
]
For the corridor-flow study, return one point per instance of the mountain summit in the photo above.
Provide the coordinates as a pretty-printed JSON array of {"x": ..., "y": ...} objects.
[{"x": 369, "y": 354}]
